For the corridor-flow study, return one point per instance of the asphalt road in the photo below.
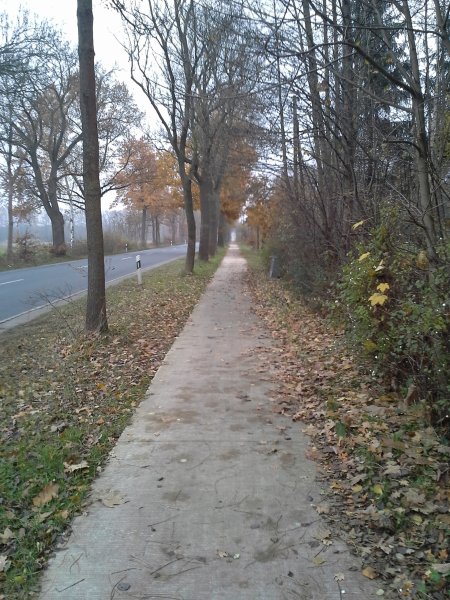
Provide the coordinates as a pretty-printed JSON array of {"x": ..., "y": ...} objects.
[{"x": 30, "y": 289}]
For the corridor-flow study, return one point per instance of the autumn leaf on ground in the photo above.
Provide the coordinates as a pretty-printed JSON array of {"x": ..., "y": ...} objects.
[
  {"x": 49, "y": 492},
  {"x": 71, "y": 468},
  {"x": 370, "y": 573},
  {"x": 377, "y": 489},
  {"x": 383, "y": 287},
  {"x": 364, "y": 256},
  {"x": 6, "y": 536},
  {"x": 358, "y": 224},
  {"x": 323, "y": 509},
  {"x": 4, "y": 563},
  {"x": 377, "y": 298}
]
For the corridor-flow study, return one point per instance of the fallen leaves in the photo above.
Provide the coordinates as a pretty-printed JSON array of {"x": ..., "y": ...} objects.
[
  {"x": 4, "y": 563},
  {"x": 47, "y": 494},
  {"x": 377, "y": 299},
  {"x": 385, "y": 470},
  {"x": 68, "y": 468},
  {"x": 66, "y": 397},
  {"x": 369, "y": 572}
]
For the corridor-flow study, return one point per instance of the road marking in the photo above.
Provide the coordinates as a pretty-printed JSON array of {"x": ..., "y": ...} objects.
[
  {"x": 13, "y": 281},
  {"x": 127, "y": 258}
]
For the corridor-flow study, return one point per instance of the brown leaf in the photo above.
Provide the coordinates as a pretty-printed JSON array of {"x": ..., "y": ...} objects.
[
  {"x": 71, "y": 468},
  {"x": 49, "y": 492},
  {"x": 6, "y": 536},
  {"x": 370, "y": 573}
]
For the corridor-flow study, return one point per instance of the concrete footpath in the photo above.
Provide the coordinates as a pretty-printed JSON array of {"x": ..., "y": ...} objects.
[{"x": 208, "y": 494}]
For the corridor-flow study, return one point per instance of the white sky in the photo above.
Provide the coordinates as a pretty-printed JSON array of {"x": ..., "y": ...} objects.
[
  {"x": 63, "y": 13},
  {"x": 107, "y": 27}
]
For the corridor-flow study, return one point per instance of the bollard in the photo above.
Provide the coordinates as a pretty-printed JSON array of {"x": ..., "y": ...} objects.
[
  {"x": 126, "y": 247},
  {"x": 138, "y": 269},
  {"x": 274, "y": 271}
]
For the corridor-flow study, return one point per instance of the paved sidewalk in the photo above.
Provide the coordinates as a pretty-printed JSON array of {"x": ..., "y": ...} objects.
[{"x": 211, "y": 497}]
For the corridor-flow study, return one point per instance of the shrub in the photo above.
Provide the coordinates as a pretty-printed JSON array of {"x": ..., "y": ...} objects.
[
  {"x": 395, "y": 305},
  {"x": 26, "y": 246}
]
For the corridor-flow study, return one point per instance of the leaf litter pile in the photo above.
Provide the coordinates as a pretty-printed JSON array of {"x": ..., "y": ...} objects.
[
  {"x": 383, "y": 469},
  {"x": 65, "y": 398}
]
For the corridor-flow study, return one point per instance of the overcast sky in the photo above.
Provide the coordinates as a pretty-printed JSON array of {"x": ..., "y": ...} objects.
[
  {"x": 63, "y": 13},
  {"x": 107, "y": 27}
]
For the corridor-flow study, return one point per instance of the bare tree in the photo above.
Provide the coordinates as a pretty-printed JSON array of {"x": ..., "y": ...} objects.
[
  {"x": 96, "y": 319},
  {"x": 164, "y": 58}
]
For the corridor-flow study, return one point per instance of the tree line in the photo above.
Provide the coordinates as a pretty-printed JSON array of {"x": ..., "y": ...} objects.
[
  {"x": 345, "y": 109},
  {"x": 326, "y": 125}
]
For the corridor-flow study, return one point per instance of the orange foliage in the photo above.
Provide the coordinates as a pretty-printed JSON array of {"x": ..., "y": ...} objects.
[
  {"x": 149, "y": 179},
  {"x": 237, "y": 180}
]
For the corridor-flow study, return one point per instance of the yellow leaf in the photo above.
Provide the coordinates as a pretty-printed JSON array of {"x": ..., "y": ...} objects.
[
  {"x": 378, "y": 299},
  {"x": 422, "y": 260},
  {"x": 370, "y": 346},
  {"x": 358, "y": 224},
  {"x": 45, "y": 495},
  {"x": 364, "y": 256},
  {"x": 377, "y": 489},
  {"x": 370, "y": 573},
  {"x": 357, "y": 488},
  {"x": 383, "y": 287},
  {"x": 318, "y": 561}
]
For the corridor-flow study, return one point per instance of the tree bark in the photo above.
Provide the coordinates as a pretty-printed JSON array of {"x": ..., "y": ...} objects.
[
  {"x": 9, "y": 249},
  {"x": 190, "y": 222},
  {"x": 206, "y": 191},
  {"x": 422, "y": 155},
  {"x": 222, "y": 230},
  {"x": 96, "y": 319},
  {"x": 58, "y": 236},
  {"x": 157, "y": 231},
  {"x": 214, "y": 222},
  {"x": 144, "y": 227}
]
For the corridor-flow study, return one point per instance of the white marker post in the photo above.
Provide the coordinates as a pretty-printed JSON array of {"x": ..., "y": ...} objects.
[{"x": 138, "y": 269}]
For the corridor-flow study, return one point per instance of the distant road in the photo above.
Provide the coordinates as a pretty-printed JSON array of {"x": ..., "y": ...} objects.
[{"x": 30, "y": 289}]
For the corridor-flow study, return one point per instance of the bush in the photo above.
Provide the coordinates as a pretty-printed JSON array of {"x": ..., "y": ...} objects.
[
  {"x": 26, "y": 246},
  {"x": 396, "y": 309}
]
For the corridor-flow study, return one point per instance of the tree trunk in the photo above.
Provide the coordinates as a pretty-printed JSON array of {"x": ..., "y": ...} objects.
[
  {"x": 9, "y": 249},
  {"x": 222, "y": 230},
  {"x": 58, "y": 237},
  {"x": 96, "y": 319},
  {"x": 190, "y": 222},
  {"x": 422, "y": 155},
  {"x": 157, "y": 231},
  {"x": 144, "y": 227},
  {"x": 206, "y": 191},
  {"x": 214, "y": 222}
]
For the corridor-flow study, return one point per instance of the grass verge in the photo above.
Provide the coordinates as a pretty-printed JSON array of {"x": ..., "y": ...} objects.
[
  {"x": 385, "y": 470},
  {"x": 65, "y": 398}
]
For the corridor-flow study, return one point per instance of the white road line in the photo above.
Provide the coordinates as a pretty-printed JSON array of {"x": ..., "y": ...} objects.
[
  {"x": 13, "y": 281},
  {"x": 127, "y": 258}
]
